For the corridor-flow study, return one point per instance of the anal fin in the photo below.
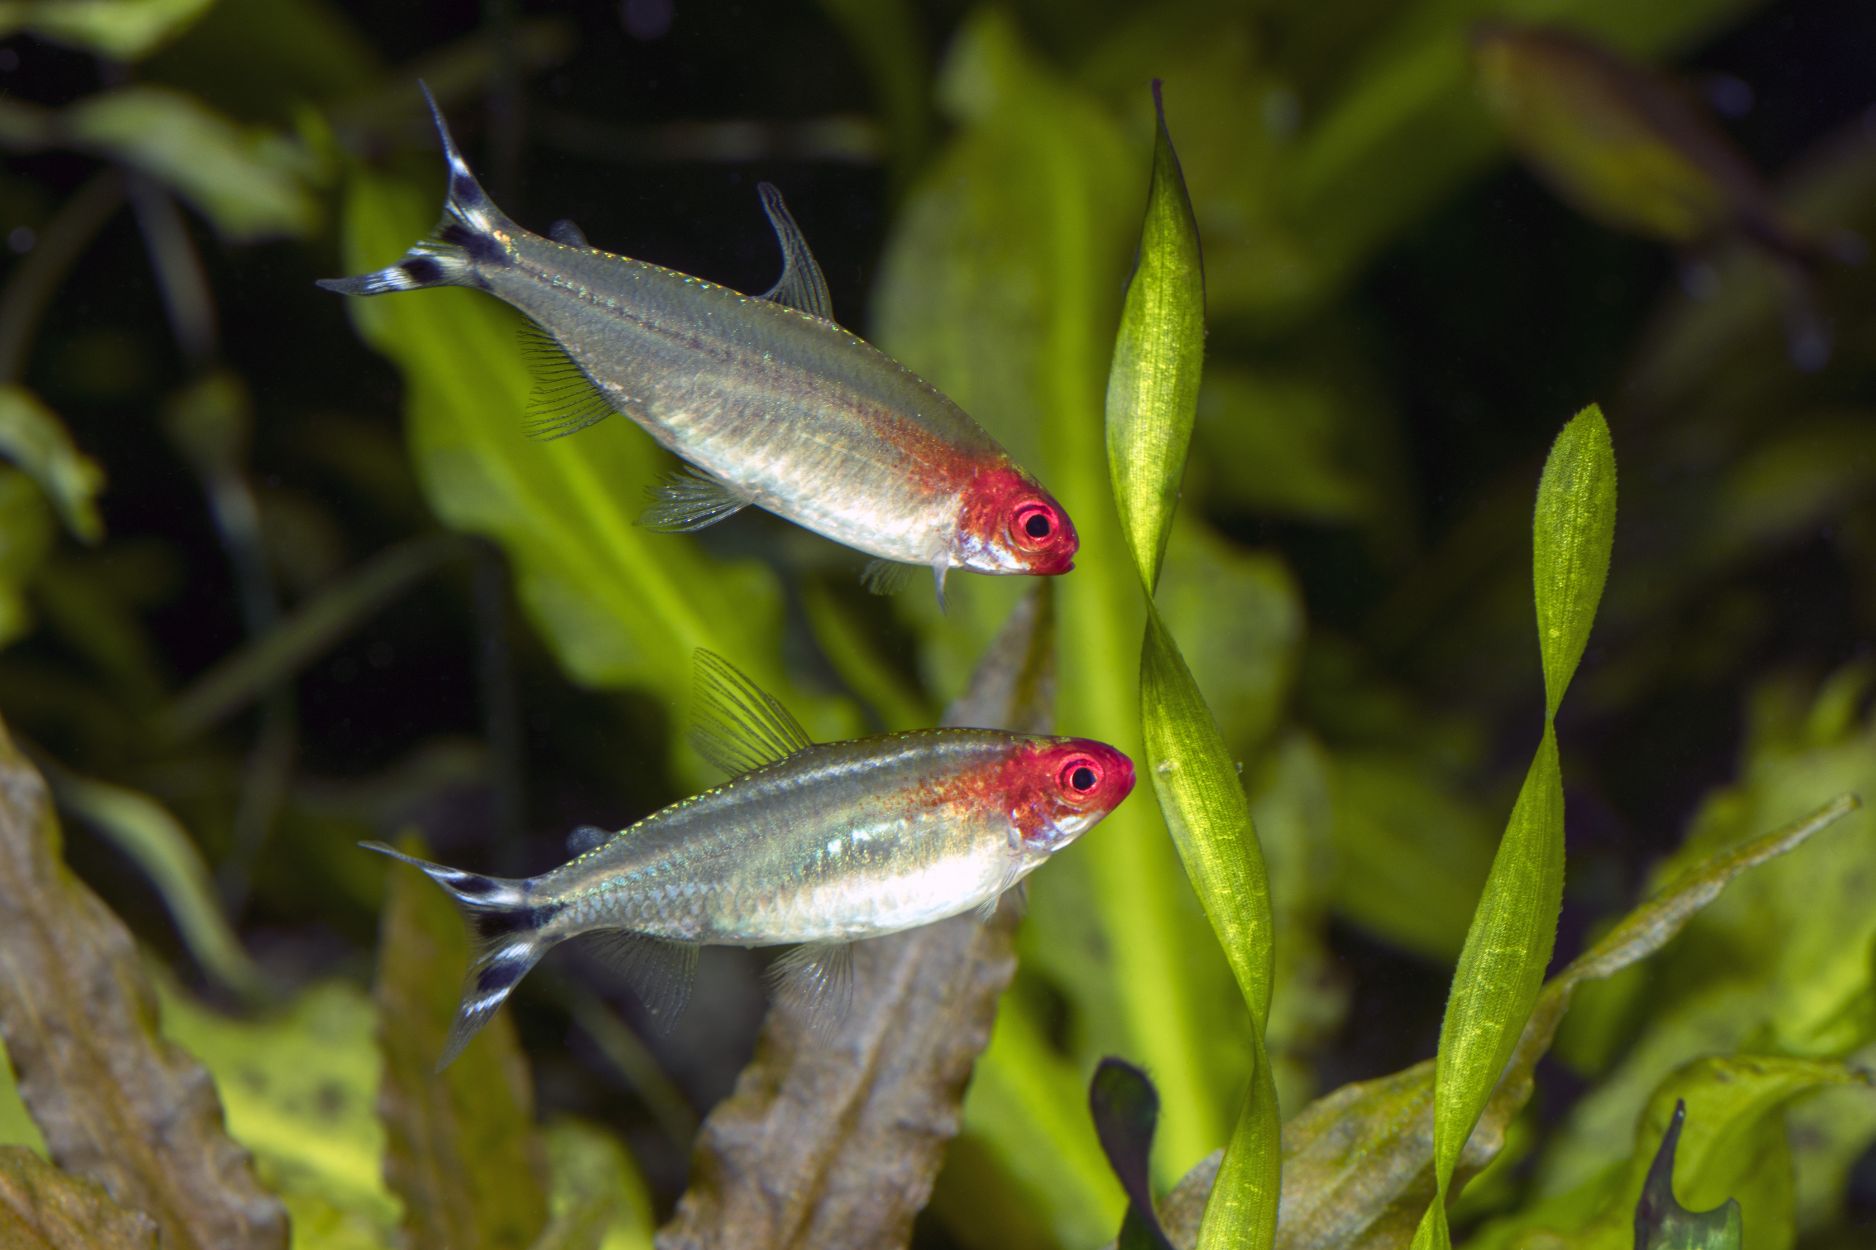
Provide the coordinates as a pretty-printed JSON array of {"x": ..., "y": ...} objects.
[
  {"x": 690, "y": 500},
  {"x": 565, "y": 400},
  {"x": 660, "y": 972}
]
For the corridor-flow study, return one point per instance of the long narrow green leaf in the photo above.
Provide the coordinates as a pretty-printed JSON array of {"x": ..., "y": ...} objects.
[
  {"x": 1153, "y": 388},
  {"x": 1152, "y": 399},
  {"x": 1000, "y": 284},
  {"x": 1509, "y": 942}
]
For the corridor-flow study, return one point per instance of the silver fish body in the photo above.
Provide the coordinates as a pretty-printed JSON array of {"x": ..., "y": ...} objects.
[
  {"x": 835, "y": 843},
  {"x": 760, "y": 395},
  {"x": 819, "y": 845},
  {"x": 767, "y": 399}
]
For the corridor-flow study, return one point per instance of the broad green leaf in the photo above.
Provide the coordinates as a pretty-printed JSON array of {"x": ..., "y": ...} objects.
[
  {"x": 300, "y": 1086},
  {"x": 599, "y": 1201},
  {"x": 1411, "y": 852},
  {"x": 1000, "y": 283},
  {"x": 1153, "y": 387},
  {"x": 42, "y": 1208},
  {"x": 35, "y": 440},
  {"x": 123, "y": 30},
  {"x": 251, "y": 182},
  {"x": 156, "y": 842},
  {"x": 620, "y": 605},
  {"x": 1357, "y": 1162},
  {"x": 1610, "y": 137},
  {"x": 1409, "y": 120},
  {"x": 115, "y": 1102},
  {"x": 1573, "y": 532},
  {"x": 1509, "y": 942},
  {"x": 462, "y": 1150}
]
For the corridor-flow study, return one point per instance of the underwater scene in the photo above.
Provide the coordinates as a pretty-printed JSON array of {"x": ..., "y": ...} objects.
[{"x": 852, "y": 624}]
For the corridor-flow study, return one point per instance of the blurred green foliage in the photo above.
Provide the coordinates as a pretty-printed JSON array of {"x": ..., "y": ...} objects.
[{"x": 240, "y": 626}]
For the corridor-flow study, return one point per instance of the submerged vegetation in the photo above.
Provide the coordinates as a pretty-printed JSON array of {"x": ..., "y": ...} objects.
[{"x": 1397, "y": 946}]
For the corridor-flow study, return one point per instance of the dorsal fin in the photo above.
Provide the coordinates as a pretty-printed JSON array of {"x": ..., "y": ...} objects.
[
  {"x": 801, "y": 284},
  {"x": 738, "y": 726}
]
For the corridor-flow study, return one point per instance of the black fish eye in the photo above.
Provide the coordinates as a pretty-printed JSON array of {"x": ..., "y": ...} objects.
[
  {"x": 1083, "y": 779},
  {"x": 1037, "y": 526}
]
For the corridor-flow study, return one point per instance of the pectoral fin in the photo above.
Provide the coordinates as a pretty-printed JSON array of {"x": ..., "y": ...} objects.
[
  {"x": 690, "y": 500},
  {"x": 801, "y": 285},
  {"x": 815, "y": 982}
]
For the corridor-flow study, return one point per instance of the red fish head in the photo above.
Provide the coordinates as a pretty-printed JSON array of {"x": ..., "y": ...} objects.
[
  {"x": 1011, "y": 525},
  {"x": 1066, "y": 785}
]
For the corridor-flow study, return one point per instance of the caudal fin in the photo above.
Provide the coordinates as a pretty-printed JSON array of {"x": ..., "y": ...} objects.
[
  {"x": 509, "y": 940},
  {"x": 464, "y": 238}
]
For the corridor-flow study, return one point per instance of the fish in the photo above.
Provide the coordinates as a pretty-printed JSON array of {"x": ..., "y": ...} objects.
[
  {"x": 1633, "y": 151},
  {"x": 766, "y": 399},
  {"x": 809, "y": 845}
]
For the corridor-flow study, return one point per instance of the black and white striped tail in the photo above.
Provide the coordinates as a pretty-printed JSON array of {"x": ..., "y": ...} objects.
[
  {"x": 510, "y": 940},
  {"x": 465, "y": 237}
]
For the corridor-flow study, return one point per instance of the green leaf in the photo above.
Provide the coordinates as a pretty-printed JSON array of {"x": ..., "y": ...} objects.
[
  {"x": 34, "y": 439},
  {"x": 462, "y": 1151},
  {"x": 1001, "y": 283},
  {"x": 1357, "y": 1161},
  {"x": 27, "y": 533},
  {"x": 42, "y": 1207},
  {"x": 299, "y": 1084},
  {"x": 1573, "y": 532},
  {"x": 620, "y": 605},
  {"x": 599, "y": 1201},
  {"x": 1515, "y": 925},
  {"x": 1609, "y": 137},
  {"x": 1410, "y": 121},
  {"x": 1153, "y": 387},
  {"x": 124, "y": 30},
  {"x": 1202, "y": 798},
  {"x": 115, "y": 1102},
  {"x": 1152, "y": 399},
  {"x": 1725, "y": 986},
  {"x": 251, "y": 182},
  {"x": 157, "y": 843}
]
